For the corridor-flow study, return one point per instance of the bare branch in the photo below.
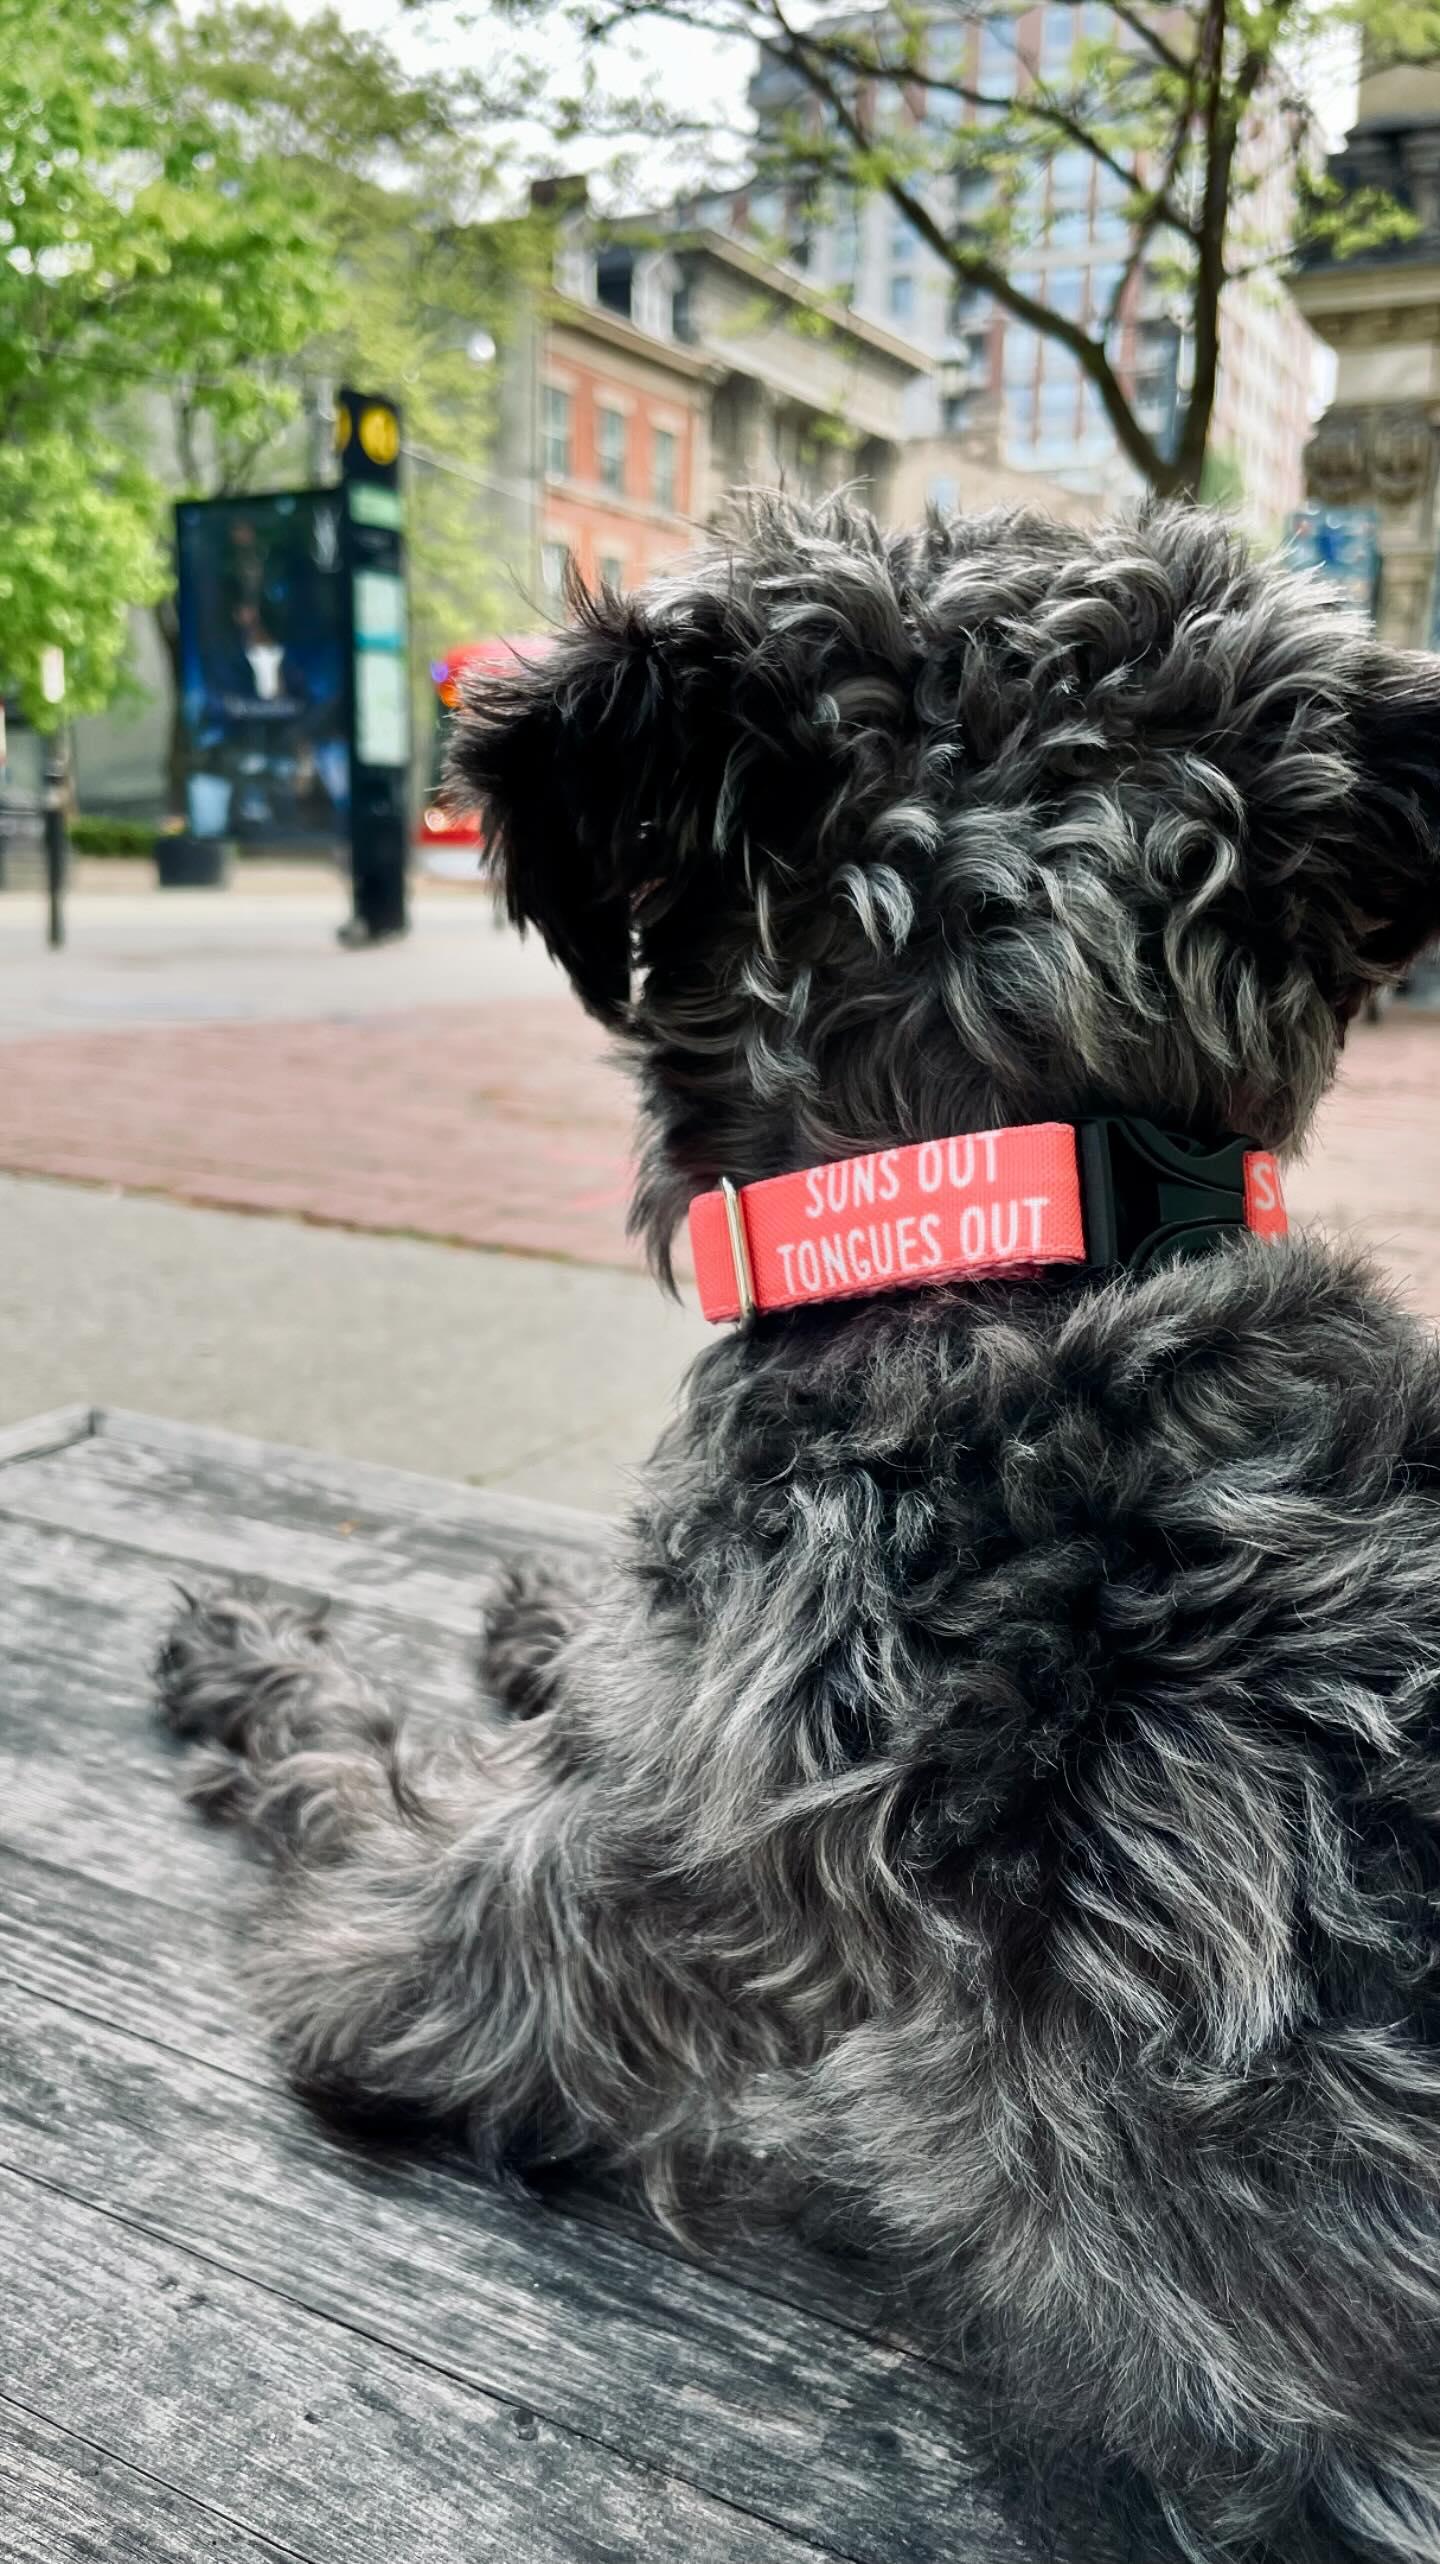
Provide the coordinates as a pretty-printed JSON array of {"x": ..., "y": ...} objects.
[
  {"x": 1159, "y": 45},
  {"x": 1040, "y": 105},
  {"x": 1090, "y": 354}
]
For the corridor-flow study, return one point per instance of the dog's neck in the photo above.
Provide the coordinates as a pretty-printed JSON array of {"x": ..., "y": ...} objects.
[{"x": 1109, "y": 1193}]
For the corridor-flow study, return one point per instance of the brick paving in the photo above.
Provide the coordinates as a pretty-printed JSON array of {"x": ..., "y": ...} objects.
[
  {"x": 502, "y": 1125},
  {"x": 497, "y": 1126}
]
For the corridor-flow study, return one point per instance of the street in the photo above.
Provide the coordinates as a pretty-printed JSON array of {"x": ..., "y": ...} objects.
[{"x": 374, "y": 1202}]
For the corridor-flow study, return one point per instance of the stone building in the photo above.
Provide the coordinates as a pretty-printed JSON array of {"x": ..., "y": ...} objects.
[
  {"x": 666, "y": 371},
  {"x": 1376, "y": 446}
]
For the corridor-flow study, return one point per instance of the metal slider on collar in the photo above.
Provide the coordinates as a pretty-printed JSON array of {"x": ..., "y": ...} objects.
[{"x": 739, "y": 1250}]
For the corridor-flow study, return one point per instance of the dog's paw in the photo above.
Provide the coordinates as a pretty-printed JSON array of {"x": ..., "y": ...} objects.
[
  {"x": 220, "y": 1663},
  {"x": 529, "y": 1613}
]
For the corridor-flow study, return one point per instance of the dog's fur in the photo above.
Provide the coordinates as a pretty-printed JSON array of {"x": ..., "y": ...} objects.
[{"x": 1002, "y": 1773}]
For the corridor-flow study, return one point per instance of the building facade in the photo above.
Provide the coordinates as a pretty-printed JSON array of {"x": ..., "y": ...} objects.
[
  {"x": 620, "y": 448},
  {"x": 1072, "y": 213},
  {"x": 1374, "y": 454},
  {"x": 659, "y": 380}
]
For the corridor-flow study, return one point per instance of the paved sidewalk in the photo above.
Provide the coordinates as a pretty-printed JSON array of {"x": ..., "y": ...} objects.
[
  {"x": 499, "y": 1124},
  {"x": 262, "y": 951},
  {"x": 219, "y": 1050},
  {"x": 1373, "y": 1169},
  {"x": 545, "y": 1379}
]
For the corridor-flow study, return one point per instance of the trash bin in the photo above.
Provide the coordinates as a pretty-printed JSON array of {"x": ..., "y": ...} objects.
[{"x": 183, "y": 862}]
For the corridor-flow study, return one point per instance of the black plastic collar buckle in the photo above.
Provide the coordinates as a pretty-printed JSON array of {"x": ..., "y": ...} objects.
[{"x": 1156, "y": 1197}]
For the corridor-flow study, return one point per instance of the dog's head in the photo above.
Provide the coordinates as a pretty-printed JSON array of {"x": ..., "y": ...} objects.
[{"x": 858, "y": 840}]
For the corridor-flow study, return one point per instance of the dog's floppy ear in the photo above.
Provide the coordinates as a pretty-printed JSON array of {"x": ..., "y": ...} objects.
[
  {"x": 1393, "y": 867},
  {"x": 595, "y": 768}
]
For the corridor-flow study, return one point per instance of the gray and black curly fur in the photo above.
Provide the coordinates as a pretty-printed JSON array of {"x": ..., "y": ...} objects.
[{"x": 1001, "y": 1775}]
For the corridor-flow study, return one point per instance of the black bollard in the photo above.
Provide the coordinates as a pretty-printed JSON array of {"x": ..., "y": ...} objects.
[{"x": 57, "y": 837}]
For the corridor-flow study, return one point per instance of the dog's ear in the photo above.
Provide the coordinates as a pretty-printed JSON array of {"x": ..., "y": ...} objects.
[
  {"x": 596, "y": 769},
  {"x": 1392, "y": 868}
]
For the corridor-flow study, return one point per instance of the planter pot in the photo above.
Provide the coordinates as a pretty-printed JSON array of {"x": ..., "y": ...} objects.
[{"x": 192, "y": 863}]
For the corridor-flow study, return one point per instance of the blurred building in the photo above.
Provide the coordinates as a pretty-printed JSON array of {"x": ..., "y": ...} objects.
[
  {"x": 967, "y": 469},
  {"x": 864, "y": 253},
  {"x": 1374, "y": 454},
  {"x": 671, "y": 367}
]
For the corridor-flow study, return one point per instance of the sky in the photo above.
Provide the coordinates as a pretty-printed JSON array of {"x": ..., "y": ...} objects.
[{"x": 682, "y": 65}]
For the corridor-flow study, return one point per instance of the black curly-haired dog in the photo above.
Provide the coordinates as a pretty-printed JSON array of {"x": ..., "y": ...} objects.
[{"x": 1002, "y": 1773}]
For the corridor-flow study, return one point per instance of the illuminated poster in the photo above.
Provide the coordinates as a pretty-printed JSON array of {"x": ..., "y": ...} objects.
[{"x": 262, "y": 616}]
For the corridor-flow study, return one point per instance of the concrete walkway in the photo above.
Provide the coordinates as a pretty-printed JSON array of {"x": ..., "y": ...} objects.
[
  {"x": 260, "y": 951},
  {"x": 510, "y": 1371}
]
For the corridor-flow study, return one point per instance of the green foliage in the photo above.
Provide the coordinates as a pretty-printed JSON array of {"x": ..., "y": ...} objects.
[
  {"x": 395, "y": 169},
  {"x": 94, "y": 835},
  {"x": 77, "y": 546},
  {"x": 1222, "y": 483},
  {"x": 138, "y": 242}
]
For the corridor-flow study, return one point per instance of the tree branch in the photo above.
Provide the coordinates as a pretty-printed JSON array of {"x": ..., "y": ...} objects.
[
  {"x": 1039, "y": 106},
  {"x": 1148, "y": 35},
  {"x": 1089, "y": 355}
]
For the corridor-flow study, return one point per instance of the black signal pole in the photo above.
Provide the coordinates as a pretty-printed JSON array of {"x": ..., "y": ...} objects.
[{"x": 367, "y": 428}]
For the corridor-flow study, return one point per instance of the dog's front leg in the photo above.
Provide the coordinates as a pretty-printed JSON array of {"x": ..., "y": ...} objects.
[{"x": 461, "y": 1928}]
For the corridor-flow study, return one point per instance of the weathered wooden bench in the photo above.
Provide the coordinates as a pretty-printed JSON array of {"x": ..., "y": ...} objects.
[{"x": 225, "y": 2333}]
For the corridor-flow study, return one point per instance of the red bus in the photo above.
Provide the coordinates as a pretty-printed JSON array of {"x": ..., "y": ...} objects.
[{"x": 449, "y": 841}]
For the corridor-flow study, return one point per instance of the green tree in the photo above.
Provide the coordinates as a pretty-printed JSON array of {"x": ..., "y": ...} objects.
[
  {"x": 137, "y": 242},
  {"x": 1183, "y": 113},
  {"x": 398, "y": 169}
]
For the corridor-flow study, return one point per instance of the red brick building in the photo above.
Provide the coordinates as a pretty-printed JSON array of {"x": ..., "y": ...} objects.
[{"x": 620, "y": 437}]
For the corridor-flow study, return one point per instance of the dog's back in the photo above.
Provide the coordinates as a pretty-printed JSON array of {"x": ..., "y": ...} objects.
[{"x": 1103, "y": 1625}]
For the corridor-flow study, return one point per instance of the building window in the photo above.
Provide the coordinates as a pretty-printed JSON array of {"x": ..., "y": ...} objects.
[
  {"x": 664, "y": 468},
  {"x": 1056, "y": 42},
  {"x": 1065, "y": 292},
  {"x": 554, "y": 561},
  {"x": 611, "y": 444},
  {"x": 1095, "y": 428},
  {"x": 1070, "y": 173},
  {"x": 1020, "y": 413},
  {"x": 846, "y": 243},
  {"x": 555, "y": 430},
  {"x": 1105, "y": 283},
  {"x": 611, "y": 566},
  {"x": 998, "y": 58},
  {"x": 965, "y": 311},
  {"x": 1057, "y": 406},
  {"x": 902, "y": 298}
]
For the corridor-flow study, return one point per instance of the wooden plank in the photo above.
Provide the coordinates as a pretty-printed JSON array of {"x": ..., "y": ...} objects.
[
  {"x": 39, "y": 1434},
  {"x": 335, "y": 2447},
  {"x": 63, "y": 1591},
  {"x": 104, "y": 1950},
  {"x": 293, "y": 1564},
  {"x": 113, "y": 1954},
  {"x": 288, "y": 1480},
  {"x": 230, "y": 1506},
  {"x": 843, "y": 2442},
  {"x": 66, "y": 2502},
  {"x": 142, "y": 2085}
]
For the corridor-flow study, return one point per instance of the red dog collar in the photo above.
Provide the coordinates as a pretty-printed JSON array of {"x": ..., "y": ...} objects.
[{"x": 1104, "y": 1193}]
